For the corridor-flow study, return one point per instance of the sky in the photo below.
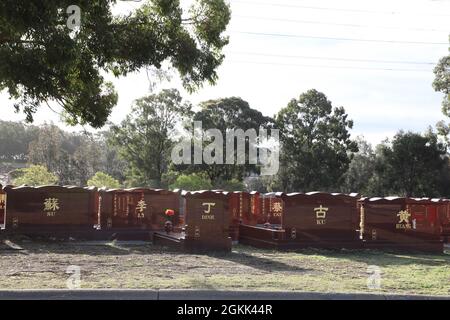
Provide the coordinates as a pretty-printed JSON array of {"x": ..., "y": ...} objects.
[{"x": 374, "y": 58}]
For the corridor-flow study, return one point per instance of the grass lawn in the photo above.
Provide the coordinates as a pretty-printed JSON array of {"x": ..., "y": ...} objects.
[{"x": 43, "y": 265}]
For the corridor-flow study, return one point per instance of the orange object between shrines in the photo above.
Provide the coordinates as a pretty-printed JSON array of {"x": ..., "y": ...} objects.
[{"x": 207, "y": 221}]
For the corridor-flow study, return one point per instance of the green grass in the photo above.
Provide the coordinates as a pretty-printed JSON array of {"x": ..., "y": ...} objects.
[{"x": 43, "y": 265}]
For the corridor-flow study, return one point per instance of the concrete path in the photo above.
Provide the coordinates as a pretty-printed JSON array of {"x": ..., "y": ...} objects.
[{"x": 107, "y": 294}]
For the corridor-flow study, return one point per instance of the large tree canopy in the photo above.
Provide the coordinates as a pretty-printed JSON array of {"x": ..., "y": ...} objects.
[
  {"x": 224, "y": 114},
  {"x": 442, "y": 83},
  {"x": 73, "y": 157},
  {"x": 35, "y": 175},
  {"x": 14, "y": 140},
  {"x": 316, "y": 144},
  {"x": 412, "y": 165},
  {"x": 42, "y": 60},
  {"x": 103, "y": 180},
  {"x": 361, "y": 169},
  {"x": 144, "y": 138}
]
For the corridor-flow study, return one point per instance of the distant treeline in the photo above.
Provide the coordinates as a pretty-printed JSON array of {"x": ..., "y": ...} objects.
[{"x": 317, "y": 152}]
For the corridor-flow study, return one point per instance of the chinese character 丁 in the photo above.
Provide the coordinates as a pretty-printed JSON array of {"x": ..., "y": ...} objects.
[{"x": 209, "y": 205}]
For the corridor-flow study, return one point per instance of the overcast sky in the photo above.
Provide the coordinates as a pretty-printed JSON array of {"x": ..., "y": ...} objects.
[{"x": 375, "y": 58}]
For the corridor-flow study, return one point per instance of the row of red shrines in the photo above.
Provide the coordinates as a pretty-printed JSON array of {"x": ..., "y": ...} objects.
[
  {"x": 343, "y": 221},
  {"x": 212, "y": 219}
]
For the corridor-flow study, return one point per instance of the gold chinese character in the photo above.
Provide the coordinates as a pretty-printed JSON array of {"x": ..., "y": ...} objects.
[
  {"x": 141, "y": 206},
  {"x": 252, "y": 205},
  {"x": 2, "y": 201},
  {"x": 403, "y": 216},
  {"x": 51, "y": 204},
  {"x": 321, "y": 212},
  {"x": 209, "y": 205},
  {"x": 277, "y": 207}
]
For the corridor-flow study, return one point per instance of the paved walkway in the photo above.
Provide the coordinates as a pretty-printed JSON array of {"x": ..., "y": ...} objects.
[{"x": 108, "y": 294}]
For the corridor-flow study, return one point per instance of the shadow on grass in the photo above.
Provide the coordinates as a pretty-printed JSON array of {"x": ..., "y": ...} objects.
[
  {"x": 103, "y": 248},
  {"x": 265, "y": 260},
  {"x": 259, "y": 262},
  {"x": 372, "y": 257},
  {"x": 242, "y": 256}
]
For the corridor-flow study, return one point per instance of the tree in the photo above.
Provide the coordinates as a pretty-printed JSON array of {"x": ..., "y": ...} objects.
[
  {"x": 230, "y": 185},
  {"x": 113, "y": 164},
  {"x": 47, "y": 149},
  {"x": 442, "y": 83},
  {"x": 411, "y": 165},
  {"x": 87, "y": 159},
  {"x": 53, "y": 148},
  {"x": 361, "y": 169},
  {"x": 228, "y": 114},
  {"x": 144, "y": 138},
  {"x": 34, "y": 175},
  {"x": 74, "y": 157},
  {"x": 42, "y": 60},
  {"x": 14, "y": 140},
  {"x": 316, "y": 144},
  {"x": 192, "y": 182},
  {"x": 103, "y": 180},
  {"x": 263, "y": 184}
]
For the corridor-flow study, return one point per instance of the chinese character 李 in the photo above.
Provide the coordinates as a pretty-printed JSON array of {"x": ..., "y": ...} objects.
[{"x": 140, "y": 207}]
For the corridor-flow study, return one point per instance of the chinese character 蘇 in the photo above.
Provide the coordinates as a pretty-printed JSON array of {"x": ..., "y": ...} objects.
[{"x": 51, "y": 204}]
